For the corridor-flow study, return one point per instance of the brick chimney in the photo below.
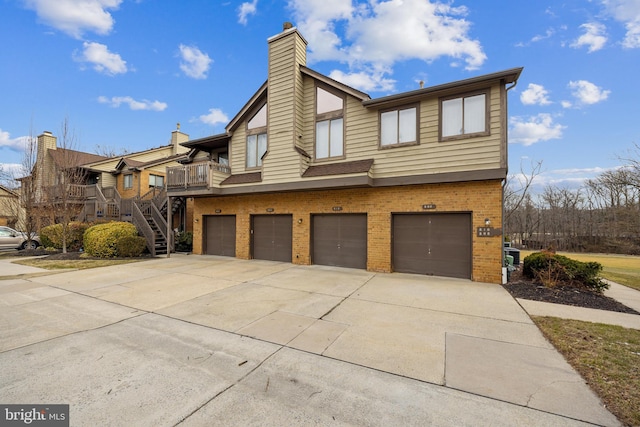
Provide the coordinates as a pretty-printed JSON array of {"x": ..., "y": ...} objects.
[{"x": 178, "y": 138}]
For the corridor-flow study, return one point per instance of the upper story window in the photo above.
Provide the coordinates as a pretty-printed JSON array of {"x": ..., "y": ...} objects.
[
  {"x": 128, "y": 181},
  {"x": 329, "y": 125},
  {"x": 464, "y": 116},
  {"x": 156, "y": 181},
  {"x": 257, "y": 138},
  {"x": 399, "y": 126}
]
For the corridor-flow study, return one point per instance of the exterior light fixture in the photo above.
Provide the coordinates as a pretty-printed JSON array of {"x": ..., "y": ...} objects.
[{"x": 487, "y": 222}]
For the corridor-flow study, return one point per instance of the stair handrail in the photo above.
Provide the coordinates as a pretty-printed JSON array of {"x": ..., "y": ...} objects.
[
  {"x": 138, "y": 219},
  {"x": 99, "y": 194}
]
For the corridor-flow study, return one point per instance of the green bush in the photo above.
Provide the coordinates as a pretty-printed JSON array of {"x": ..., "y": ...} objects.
[
  {"x": 184, "y": 241},
  {"x": 102, "y": 240},
  {"x": 131, "y": 246},
  {"x": 51, "y": 236},
  {"x": 553, "y": 269}
]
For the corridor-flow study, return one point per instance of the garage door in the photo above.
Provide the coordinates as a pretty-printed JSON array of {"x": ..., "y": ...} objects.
[
  {"x": 433, "y": 244},
  {"x": 340, "y": 240},
  {"x": 220, "y": 234},
  {"x": 271, "y": 237}
]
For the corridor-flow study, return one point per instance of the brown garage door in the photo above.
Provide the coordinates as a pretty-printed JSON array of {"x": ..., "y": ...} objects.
[
  {"x": 271, "y": 237},
  {"x": 340, "y": 240},
  {"x": 221, "y": 235},
  {"x": 433, "y": 244}
]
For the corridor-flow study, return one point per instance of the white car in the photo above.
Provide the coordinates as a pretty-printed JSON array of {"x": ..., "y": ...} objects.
[{"x": 12, "y": 239}]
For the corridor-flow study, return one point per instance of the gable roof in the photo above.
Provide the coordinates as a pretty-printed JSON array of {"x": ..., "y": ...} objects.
[
  {"x": 259, "y": 95},
  {"x": 61, "y": 156},
  {"x": 508, "y": 76},
  {"x": 334, "y": 83},
  {"x": 137, "y": 165},
  {"x": 9, "y": 191}
]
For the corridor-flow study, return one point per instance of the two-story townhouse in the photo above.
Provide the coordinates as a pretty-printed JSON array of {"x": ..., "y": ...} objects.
[
  {"x": 311, "y": 171},
  {"x": 113, "y": 187}
]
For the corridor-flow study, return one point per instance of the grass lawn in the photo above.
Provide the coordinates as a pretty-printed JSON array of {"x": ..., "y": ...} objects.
[
  {"x": 623, "y": 269},
  {"x": 607, "y": 357}
]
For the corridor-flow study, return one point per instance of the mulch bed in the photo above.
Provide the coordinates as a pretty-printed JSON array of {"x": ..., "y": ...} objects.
[
  {"x": 522, "y": 287},
  {"x": 59, "y": 256}
]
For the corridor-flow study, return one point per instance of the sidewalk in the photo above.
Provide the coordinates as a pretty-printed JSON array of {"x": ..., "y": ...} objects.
[{"x": 627, "y": 296}]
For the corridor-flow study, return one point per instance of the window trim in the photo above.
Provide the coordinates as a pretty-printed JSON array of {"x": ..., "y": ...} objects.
[
  {"x": 124, "y": 181},
  {"x": 487, "y": 115},
  {"x": 329, "y": 116},
  {"x": 257, "y": 132},
  {"x": 398, "y": 109},
  {"x": 156, "y": 176}
]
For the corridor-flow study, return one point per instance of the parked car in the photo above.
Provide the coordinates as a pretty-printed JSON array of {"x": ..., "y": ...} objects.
[{"x": 12, "y": 239}]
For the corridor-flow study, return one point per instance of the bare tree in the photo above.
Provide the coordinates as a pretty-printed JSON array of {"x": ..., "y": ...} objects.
[
  {"x": 518, "y": 186},
  {"x": 28, "y": 177},
  {"x": 110, "y": 151},
  {"x": 66, "y": 196}
]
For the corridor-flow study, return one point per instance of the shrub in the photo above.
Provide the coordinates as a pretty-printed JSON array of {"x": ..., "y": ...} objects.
[
  {"x": 131, "y": 246},
  {"x": 184, "y": 241},
  {"x": 552, "y": 269},
  {"x": 51, "y": 236},
  {"x": 101, "y": 240}
]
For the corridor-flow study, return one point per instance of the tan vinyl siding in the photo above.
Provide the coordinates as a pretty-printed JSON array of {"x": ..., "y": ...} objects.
[
  {"x": 107, "y": 180},
  {"x": 151, "y": 155},
  {"x": 282, "y": 162},
  {"x": 238, "y": 145}
]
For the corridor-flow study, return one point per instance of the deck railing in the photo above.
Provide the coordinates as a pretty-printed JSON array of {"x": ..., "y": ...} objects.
[{"x": 194, "y": 175}]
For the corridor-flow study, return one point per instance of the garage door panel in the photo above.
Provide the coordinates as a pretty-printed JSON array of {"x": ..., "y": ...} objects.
[
  {"x": 220, "y": 235},
  {"x": 340, "y": 240},
  {"x": 433, "y": 244},
  {"x": 271, "y": 239}
]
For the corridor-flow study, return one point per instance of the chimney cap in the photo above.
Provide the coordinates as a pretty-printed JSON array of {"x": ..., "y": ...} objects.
[
  {"x": 287, "y": 26},
  {"x": 46, "y": 132}
]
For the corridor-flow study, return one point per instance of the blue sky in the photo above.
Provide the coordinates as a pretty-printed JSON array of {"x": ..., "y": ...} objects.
[{"x": 124, "y": 72}]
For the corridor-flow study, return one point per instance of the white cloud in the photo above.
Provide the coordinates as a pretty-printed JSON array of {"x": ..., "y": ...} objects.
[
  {"x": 214, "y": 117},
  {"x": 594, "y": 37},
  {"x": 145, "y": 104},
  {"x": 566, "y": 104},
  {"x": 195, "y": 63},
  {"x": 364, "y": 81},
  {"x": 103, "y": 61},
  {"x": 245, "y": 10},
  {"x": 10, "y": 170},
  {"x": 535, "y": 95},
  {"x": 377, "y": 34},
  {"x": 549, "y": 33},
  {"x": 528, "y": 131},
  {"x": 75, "y": 17},
  {"x": 627, "y": 12},
  {"x": 587, "y": 93},
  {"x": 14, "y": 144}
]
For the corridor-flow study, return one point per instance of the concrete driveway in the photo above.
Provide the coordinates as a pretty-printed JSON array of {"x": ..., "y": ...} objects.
[{"x": 203, "y": 340}]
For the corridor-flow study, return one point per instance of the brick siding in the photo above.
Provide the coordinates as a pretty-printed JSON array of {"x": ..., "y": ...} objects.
[{"x": 481, "y": 199}]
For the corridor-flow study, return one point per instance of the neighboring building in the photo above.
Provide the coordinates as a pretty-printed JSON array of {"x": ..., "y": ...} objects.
[
  {"x": 10, "y": 210},
  {"x": 311, "y": 171},
  {"x": 130, "y": 187}
]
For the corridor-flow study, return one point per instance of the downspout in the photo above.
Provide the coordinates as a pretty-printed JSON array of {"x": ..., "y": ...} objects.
[
  {"x": 504, "y": 182},
  {"x": 169, "y": 222}
]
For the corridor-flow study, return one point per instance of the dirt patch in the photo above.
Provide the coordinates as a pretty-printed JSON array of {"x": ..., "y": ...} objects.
[{"x": 522, "y": 287}]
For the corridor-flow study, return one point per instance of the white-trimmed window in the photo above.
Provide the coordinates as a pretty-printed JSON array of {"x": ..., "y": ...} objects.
[
  {"x": 399, "y": 126},
  {"x": 257, "y": 138},
  {"x": 464, "y": 116},
  {"x": 156, "y": 181},
  {"x": 128, "y": 181},
  {"x": 329, "y": 125}
]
